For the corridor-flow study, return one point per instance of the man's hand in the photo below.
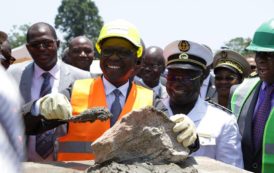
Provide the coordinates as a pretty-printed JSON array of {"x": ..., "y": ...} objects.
[
  {"x": 186, "y": 129},
  {"x": 55, "y": 106}
]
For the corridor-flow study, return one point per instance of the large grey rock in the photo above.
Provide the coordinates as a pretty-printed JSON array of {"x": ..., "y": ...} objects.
[
  {"x": 202, "y": 164},
  {"x": 140, "y": 136}
]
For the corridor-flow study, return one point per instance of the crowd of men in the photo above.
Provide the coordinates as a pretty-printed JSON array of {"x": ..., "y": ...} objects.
[{"x": 221, "y": 103}]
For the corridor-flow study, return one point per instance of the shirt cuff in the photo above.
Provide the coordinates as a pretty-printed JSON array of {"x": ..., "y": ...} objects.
[{"x": 35, "y": 109}]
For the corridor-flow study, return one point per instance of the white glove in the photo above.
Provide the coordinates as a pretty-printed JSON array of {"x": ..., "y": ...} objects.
[
  {"x": 186, "y": 129},
  {"x": 55, "y": 106}
]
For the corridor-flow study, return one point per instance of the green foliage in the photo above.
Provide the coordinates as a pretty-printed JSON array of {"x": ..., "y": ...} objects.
[
  {"x": 78, "y": 17},
  {"x": 239, "y": 44},
  {"x": 17, "y": 35}
]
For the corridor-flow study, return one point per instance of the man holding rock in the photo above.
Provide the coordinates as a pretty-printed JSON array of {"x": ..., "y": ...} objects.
[
  {"x": 217, "y": 129},
  {"x": 119, "y": 46}
]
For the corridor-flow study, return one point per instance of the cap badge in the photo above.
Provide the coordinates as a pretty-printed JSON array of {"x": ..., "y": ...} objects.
[
  {"x": 184, "y": 46},
  {"x": 183, "y": 56},
  {"x": 224, "y": 54}
]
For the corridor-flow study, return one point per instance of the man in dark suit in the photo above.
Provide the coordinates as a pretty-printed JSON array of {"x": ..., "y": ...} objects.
[
  {"x": 253, "y": 103},
  {"x": 45, "y": 75}
]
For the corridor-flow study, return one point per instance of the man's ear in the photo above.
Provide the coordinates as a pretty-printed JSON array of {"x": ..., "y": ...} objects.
[
  {"x": 28, "y": 47},
  {"x": 58, "y": 43}
]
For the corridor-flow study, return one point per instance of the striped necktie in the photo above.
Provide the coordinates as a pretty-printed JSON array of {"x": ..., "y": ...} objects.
[
  {"x": 261, "y": 117},
  {"x": 44, "y": 141},
  {"x": 116, "y": 107},
  {"x": 46, "y": 87}
]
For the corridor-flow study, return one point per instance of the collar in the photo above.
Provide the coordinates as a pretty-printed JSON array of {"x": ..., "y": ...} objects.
[
  {"x": 109, "y": 87},
  {"x": 196, "y": 114},
  {"x": 264, "y": 85},
  {"x": 199, "y": 110},
  {"x": 206, "y": 81},
  {"x": 54, "y": 71},
  {"x": 156, "y": 89}
]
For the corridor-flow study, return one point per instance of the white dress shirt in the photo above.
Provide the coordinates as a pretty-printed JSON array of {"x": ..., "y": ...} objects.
[
  {"x": 218, "y": 133},
  {"x": 159, "y": 90},
  {"x": 204, "y": 87},
  {"x": 109, "y": 88},
  {"x": 37, "y": 82}
]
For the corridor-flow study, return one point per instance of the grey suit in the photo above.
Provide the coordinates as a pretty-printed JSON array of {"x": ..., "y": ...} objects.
[{"x": 23, "y": 73}]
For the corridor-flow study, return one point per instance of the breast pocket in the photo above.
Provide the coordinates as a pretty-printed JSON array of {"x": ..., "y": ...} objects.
[
  {"x": 207, "y": 146},
  {"x": 206, "y": 139}
]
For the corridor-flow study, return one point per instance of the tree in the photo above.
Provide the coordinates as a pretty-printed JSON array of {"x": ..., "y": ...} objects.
[
  {"x": 239, "y": 45},
  {"x": 78, "y": 17},
  {"x": 17, "y": 35}
]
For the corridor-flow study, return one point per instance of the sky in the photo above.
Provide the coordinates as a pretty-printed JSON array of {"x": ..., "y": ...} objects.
[{"x": 210, "y": 22}]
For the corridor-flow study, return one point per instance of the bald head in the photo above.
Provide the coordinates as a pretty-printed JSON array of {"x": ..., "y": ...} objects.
[
  {"x": 81, "y": 52},
  {"x": 156, "y": 53},
  {"x": 80, "y": 40},
  {"x": 153, "y": 65},
  {"x": 41, "y": 27}
]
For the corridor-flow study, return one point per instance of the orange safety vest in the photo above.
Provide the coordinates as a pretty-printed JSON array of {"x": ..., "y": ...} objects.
[{"x": 87, "y": 93}]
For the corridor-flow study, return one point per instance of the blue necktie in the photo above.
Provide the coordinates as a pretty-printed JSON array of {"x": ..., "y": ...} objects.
[
  {"x": 116, "y": 107},
  {"x": 44, "y": 141},
  {"x": 46, "y": 87},
  {"x": 261, "y": 117}
]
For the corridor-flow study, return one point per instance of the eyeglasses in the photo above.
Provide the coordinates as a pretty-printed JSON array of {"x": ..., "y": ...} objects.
[
  {"x": 175, "y": 78},
  {"x": 122, "y": 53},
  {"x": 47, "y": 44},
  {"x": 268, "y": 56},
  {"x": 227, "y": 78},
  {"x": 151, "y": 66}
]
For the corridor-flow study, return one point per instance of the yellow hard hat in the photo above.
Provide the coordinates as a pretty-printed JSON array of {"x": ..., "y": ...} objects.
[{"x": 120, "y": 28}]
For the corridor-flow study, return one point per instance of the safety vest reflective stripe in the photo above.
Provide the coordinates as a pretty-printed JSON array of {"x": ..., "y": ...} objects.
[
  {"x": 268, "y": 145},
  {"x": 269, "y": 148},
  {"x": 75, "y": 147},
  {"x": 241, "y": 93}
]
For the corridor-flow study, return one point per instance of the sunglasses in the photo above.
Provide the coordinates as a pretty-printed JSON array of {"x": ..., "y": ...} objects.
[
  {"x": 122, "y": 53},
  {"x": 182, "y": 79},
  {"x": 47, "y": 44}
]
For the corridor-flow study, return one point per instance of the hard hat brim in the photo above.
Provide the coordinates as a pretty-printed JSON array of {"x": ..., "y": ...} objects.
[{"x": 256, "y": 48}]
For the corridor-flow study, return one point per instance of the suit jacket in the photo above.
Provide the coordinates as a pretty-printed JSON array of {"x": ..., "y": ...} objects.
[
  {"x": 252, "y": 158},
  {"x": 23, "y": 73}
]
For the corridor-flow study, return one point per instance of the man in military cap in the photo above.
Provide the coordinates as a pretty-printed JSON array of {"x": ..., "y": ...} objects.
[
  {"x": 218, "y": 130},
  {"x": 119, "y": 46},
  {"x": 230, "y": 68},
  {"x": 253, "y": 103}
]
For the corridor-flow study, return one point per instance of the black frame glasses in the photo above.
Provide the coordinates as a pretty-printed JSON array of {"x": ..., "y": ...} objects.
[
  {"x": 121, "y": 53},
  {"x": 47, "y": 44}
]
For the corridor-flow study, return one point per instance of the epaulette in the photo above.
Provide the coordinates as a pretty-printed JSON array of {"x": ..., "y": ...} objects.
[
  {"x": 219, "y": 106},
  {"x": 253, "y": 74}
]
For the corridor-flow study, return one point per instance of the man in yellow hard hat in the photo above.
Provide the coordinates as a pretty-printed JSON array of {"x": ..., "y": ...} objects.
[{"x": 119, "y": 46}]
